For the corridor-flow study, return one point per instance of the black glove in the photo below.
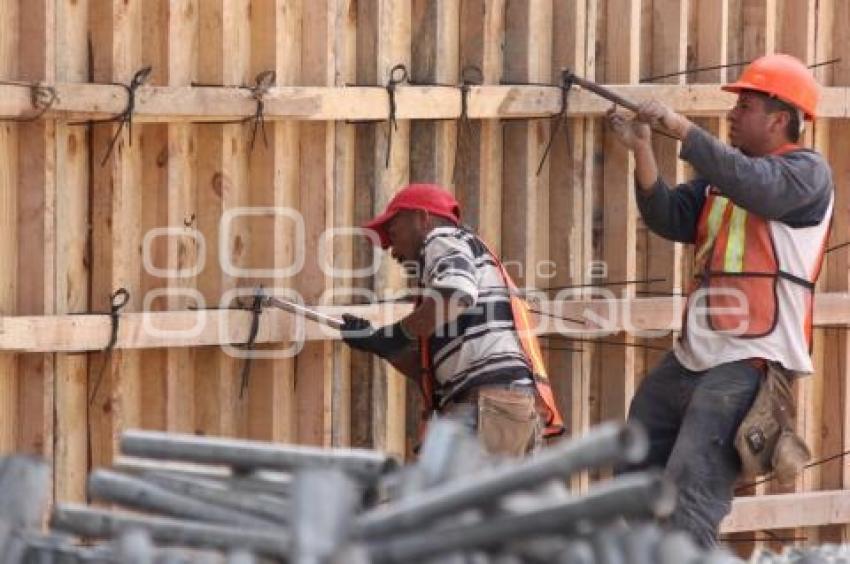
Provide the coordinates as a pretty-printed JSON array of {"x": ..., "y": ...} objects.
[{"x": 385, "y": 342}]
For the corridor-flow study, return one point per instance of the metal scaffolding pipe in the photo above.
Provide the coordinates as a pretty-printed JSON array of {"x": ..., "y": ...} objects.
[
  {"x": 359, "y": 463},
  {"x": 608, "y": 443},
  {"x": 137, "y": 493},
  {"x": 99, "y": 523},
  {"x": 631, "y": 496}
]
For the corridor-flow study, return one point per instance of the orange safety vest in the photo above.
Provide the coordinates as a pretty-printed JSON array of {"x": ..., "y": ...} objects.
[
  {"x": 736, "y": 256},
  {"x": 530, "y": 346}
]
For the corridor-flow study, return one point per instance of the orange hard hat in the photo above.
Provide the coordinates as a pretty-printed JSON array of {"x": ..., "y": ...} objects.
[{"x": 784, "y": 77}]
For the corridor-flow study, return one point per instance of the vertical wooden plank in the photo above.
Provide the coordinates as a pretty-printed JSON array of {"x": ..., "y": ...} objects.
[
  {"x": 389, "y": 387},
  {"x": 571, "y": 212},
  {"x": 479, "y": 176},
  {"x": 752, "y": 31},
  {"x": 710, "y": 38},
  {"x": 100, "y": 194},
  {"x": 835, "y": 423},
  {"x": 362, "y": 376},
  {"x": 153, "y": 392},
  {"x": 345, "y": 63},
  {"x": 436, "y": 59},
  {"x": 795, "y": 28},
  {"x": 114, "y": 383},
  {"x": 813, "y": 418},
  {"x": 125, "y": 166},
  {"x": 222, "y": 173},
  {"x": 621, "y": 66},
  {"x": 72, "y": 262},
  {"x": 213, "y": 383},
  {"x": 313, "y": 366},
  {"x": 669, "y": 41},
  {"x": 8, "y": 227},
  {"x": 446, "y": 71},
  {"x": 287, "y": 157},
  {"x": 260, "y": 394},
  {"x": 236, "y": 70},
  {"x": 36, "y": 208},
  {"x": 525, "y": 218},
  {"x": 491, "y": 140},
  {"x": 181, "y": 212}
]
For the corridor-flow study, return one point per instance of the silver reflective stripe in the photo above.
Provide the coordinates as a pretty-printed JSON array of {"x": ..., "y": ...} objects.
[{"x": 715, "y": 216}]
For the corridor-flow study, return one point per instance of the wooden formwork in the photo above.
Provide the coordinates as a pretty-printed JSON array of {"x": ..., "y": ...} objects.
[{"x": 76, "y": 224}]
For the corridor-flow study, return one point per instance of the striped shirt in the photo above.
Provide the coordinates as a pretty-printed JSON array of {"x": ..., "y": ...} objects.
[{"x": 481, "y": 346}]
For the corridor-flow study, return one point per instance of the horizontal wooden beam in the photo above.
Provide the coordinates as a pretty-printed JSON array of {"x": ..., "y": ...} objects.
[
  {"x": 787, "y": 511},
  {"x": 578, "y": 318},
  {"x": 69, "y": 333},
  {"x": 205, "y": 104}
]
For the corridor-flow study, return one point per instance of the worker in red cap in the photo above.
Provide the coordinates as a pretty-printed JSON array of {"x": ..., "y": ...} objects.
[
  {"x": 758, "y": 215},
  {"x": 467, "y": 342}
]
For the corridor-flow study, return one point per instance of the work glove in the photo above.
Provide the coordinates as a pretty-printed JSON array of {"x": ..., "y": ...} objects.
[{"x": 385, "y": 342}]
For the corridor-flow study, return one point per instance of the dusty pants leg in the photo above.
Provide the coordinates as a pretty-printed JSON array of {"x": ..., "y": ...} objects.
[
  {"x": 704, "y": 464},
  {"x": 659, "y": 405}
]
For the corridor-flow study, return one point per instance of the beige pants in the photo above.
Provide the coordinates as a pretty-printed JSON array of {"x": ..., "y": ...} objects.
[{"x": 506, "y": 420}]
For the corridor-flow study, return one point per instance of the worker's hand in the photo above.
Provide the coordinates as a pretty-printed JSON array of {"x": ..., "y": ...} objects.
[
  {"x": 663, "y": 117},
  {"x": 630, "y": 132},
  {"x": 386, "y": 342}
]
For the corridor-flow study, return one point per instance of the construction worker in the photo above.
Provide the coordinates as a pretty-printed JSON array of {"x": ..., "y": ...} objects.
[
  {"x": 758, "y": 214},
  {"x": 464, "y": 343}
]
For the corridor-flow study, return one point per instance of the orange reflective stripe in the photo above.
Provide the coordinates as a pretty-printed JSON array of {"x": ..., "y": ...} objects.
[{"x": 531, "y": 347}]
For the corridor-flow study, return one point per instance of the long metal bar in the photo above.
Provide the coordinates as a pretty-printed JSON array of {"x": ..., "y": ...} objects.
[
  {"x": 99, "y": 523},
  {"x": 631, "y": 496},
  {"x": 271, "y": 507},
  {"x": 137, "y": 493},
  {"x": 359, "y": 463},
  {"x": 612, "y": 96},
  {"x": 609, "y": 443},
  {"x": 308, "y": 313},
  {"x": 268, "y": 482},
  {"x": 604, "y": 92}
]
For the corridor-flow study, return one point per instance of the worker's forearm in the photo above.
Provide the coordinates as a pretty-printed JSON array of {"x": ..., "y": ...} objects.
[{"x": 646, "y": 168}]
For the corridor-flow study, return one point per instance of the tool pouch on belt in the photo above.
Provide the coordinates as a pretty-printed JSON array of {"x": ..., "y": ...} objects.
[{"x": 766, "y": 441}]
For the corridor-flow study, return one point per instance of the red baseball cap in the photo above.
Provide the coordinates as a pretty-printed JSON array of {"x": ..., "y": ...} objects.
[{"x": 426, "y": 197}]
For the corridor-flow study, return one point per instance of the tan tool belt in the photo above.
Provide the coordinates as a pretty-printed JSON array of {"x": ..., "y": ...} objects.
[{"x": 766, "y": 440}]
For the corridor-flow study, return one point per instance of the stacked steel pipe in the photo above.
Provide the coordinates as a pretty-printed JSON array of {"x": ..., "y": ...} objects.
[{"x": 183, "y": 498}]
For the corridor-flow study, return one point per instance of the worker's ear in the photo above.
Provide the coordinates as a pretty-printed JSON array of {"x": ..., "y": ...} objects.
[{"x": 778, "y": 121}]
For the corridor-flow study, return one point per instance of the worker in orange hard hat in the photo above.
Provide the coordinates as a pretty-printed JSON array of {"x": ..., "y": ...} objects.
[
  {"x": 467, "y": 343},
  {"x": 758, "y": 214}
]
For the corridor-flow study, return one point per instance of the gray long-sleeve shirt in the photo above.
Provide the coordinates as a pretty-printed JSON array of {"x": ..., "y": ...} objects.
[{"x": 794, "y": 188}]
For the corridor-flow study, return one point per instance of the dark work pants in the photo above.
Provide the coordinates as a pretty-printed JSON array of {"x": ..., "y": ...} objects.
[{"x": 691, "y": 419}]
